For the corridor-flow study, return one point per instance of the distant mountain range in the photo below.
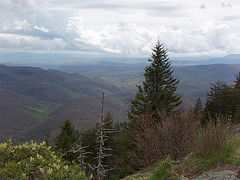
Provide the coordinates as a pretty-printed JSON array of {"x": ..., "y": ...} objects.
[
  {"x": 50, "y": 60},
  {"x": 207, "y": 60},
  {"x": 34, "y": 101},
  {"x": 194, "y": 80}
]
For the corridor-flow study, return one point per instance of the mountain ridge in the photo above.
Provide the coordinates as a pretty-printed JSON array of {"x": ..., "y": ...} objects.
[{"x": 34, "y": 101}]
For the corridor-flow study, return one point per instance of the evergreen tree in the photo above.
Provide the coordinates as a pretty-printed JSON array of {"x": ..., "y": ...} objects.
[
  {"x": 222, "y": 100},
  {"x": 198, "y": 108},
  {"x": 237, "y": 91},
  {"x": 90, "y": 139},
  {"x": 65, "y": 140},
  {"x": 121, "y": 148},
  {"x": 237, "y": 81},
  {"x": 159, "y": 87},
  {"x": 109, "y": 130}
]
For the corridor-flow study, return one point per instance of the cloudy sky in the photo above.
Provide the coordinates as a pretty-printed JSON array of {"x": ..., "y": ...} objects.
[{"x": 129, "y": 27}]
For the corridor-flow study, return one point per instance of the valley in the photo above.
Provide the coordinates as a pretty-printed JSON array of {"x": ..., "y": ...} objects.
[{"x": 34, "y": 101}]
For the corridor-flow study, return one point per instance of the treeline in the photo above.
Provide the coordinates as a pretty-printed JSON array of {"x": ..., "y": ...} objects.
[{"x": 157, "y": 126}]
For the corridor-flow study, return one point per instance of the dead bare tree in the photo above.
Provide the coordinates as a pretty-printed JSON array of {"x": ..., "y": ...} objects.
[
  {"x": 82, "y": 154},
  {"x": 101, "y": 170},
  {"x": 103, "y": 152}
]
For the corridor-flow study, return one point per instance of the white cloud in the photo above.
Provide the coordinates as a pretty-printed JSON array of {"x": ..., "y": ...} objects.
[
  {"x": 121, "y": 38},
  {"x": 121, "y": 27},
  {"x": 128, "y": 38},
  {"x": 41, "y": 28},
  {"x": 12, "y": 41},
  {"x": 221, "y": 38},
  {"x": 15, "y": 24}
]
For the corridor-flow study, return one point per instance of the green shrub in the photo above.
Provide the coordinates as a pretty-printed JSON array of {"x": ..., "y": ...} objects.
[
  {"x": 163, "y": 171},
  {"x": 35, "y": 161}
]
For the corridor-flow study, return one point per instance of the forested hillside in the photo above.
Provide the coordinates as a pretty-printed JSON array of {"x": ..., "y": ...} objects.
[{"x": 37, "y": 100}]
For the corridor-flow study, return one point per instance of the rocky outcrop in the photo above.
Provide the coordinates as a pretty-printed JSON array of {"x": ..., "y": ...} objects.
[{"x": 227, "y": 172}]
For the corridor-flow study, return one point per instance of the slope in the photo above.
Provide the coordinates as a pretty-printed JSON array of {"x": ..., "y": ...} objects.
[{"x": 31, "y": 99}]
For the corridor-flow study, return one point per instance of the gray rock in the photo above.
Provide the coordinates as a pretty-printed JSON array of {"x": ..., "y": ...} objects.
[{"x": 221, "y": 175}]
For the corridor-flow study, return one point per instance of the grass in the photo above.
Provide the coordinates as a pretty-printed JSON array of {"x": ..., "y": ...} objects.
[
  {"x": 234, "y": 158},
  {"x": 194, "y": 165},
  {"x": 139, "y": 176},
  {"x": 159, "y": 170}
]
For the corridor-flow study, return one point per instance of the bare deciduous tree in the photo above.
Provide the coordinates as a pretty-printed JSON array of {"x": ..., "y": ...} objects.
[{"x": 155, "y": 140}]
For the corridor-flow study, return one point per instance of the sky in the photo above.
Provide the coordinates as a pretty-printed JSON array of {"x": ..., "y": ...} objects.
[{"x": 124, "y": 28}]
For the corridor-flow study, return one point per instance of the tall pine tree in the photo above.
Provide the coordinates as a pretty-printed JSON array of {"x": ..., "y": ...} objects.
[
  {"x": 198, "y": 108},
  {"x": 237, "y": 90},
  {"x": 159, "y": 87},
  {"x": 237, "y": 81},
  {"x": 222, "y": 100}
]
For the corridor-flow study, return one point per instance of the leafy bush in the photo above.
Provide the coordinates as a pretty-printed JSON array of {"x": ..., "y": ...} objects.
[{"x": 35, "y": 161}]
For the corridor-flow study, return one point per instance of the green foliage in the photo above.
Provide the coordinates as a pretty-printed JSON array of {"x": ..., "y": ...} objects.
[
  {"x": 237, "y": 81},
  {"x": 237, "y": 91},
  {"x": 159, "y": 86},
  {"x": 223, "y": 100},
  {"x": 233, "y": 157},
  {"x": 89, "y": 140},
  {"x": 197, "y": 165},
  {"x": 163, "y": 171},
  {"x": 156, "y": 94},
  {"x": 220, "y": 100},
  {"x": 108, "y": 121},
  {"x": 43, "y": 113},
  {"x": 117, "y": 141},
  {"x": 35, "y": 161},
  {"x": 109, "y": 138},
  {"x": 121, "y": 148},
  {"x": 66, "y": 139},
  {"x": 198, "y": 108}
]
